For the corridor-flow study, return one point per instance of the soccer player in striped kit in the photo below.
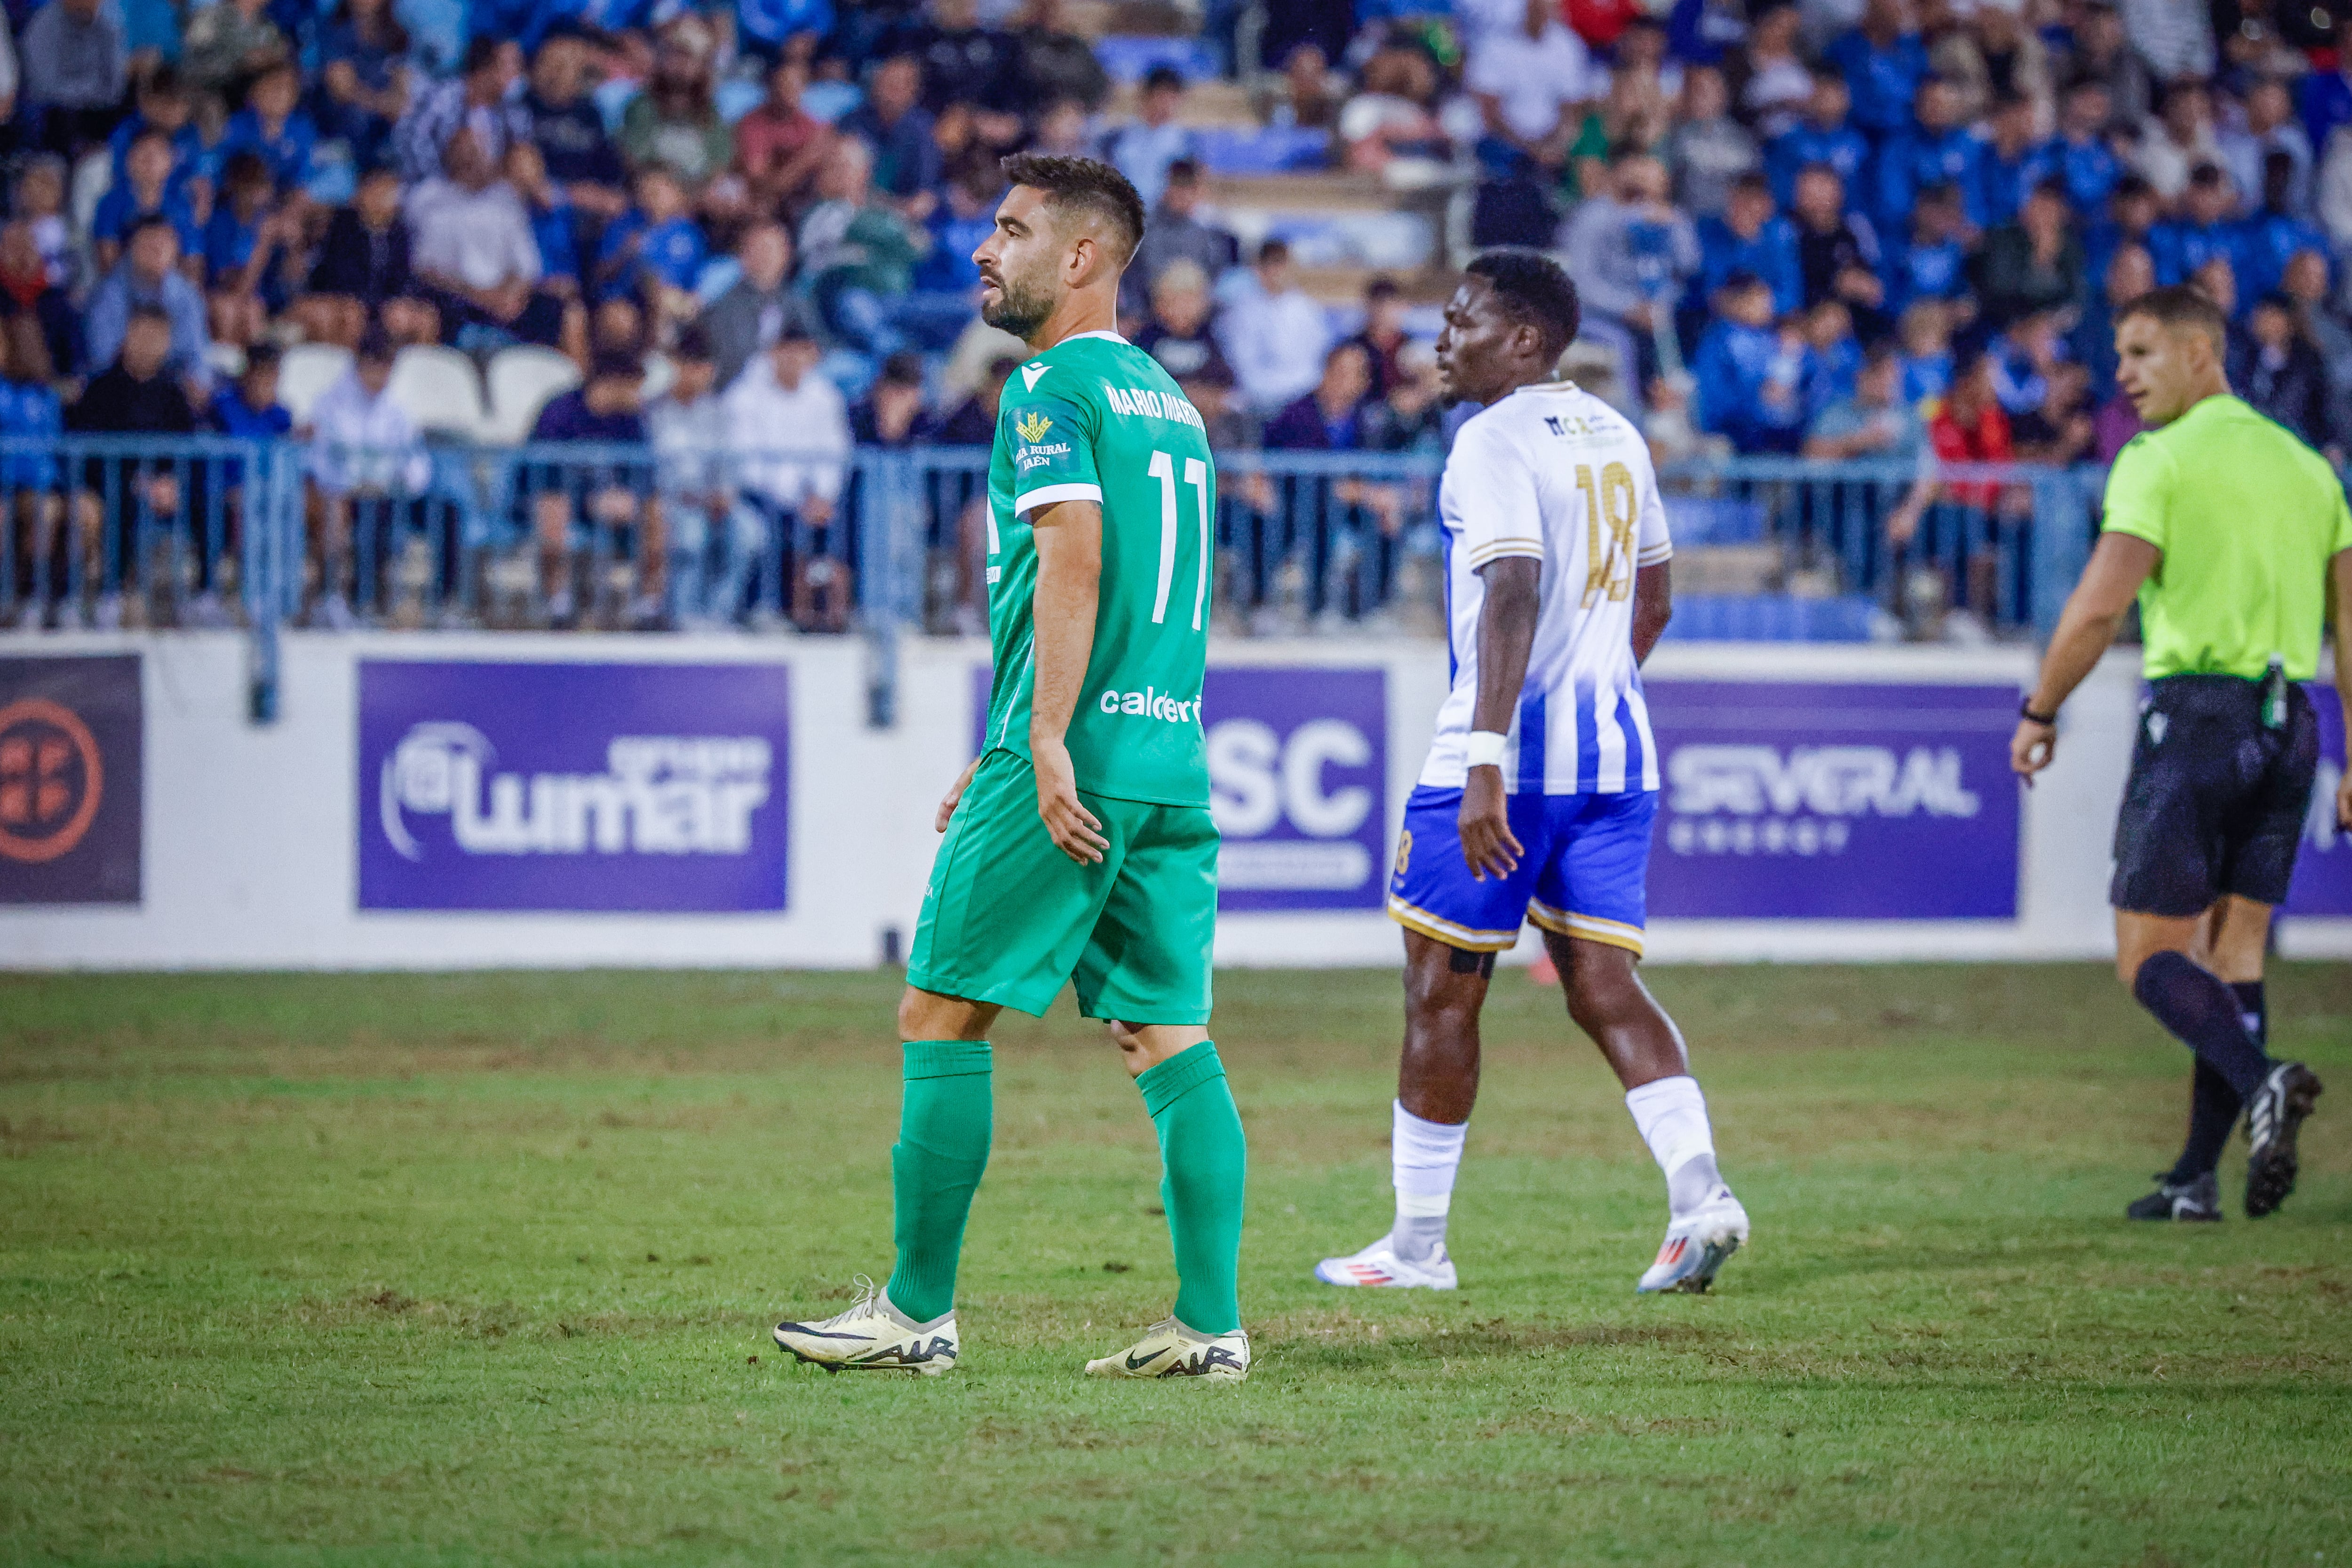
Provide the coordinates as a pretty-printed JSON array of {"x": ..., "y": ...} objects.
[{"x": 1541, "y": 785}]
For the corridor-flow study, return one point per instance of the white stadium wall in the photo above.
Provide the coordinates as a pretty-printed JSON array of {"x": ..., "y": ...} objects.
[{"x": 467, "y": 801}]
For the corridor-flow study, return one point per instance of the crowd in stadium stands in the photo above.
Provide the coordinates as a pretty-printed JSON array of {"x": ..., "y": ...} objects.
[{"x": 1843, "y": 228}]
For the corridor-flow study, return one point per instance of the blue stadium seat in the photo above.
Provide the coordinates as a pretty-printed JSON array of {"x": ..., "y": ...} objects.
[
  {"x": 1770, "y": 618},
  {"x": 1131, "y": 58},
  {"x": 1224, "y": 150},
  {"x": 1713, "y": 521}
]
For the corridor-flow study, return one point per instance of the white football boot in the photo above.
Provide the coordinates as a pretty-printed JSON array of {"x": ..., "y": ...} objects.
[
  {"x": 872, "y": 1336},
  {"x": 1697, "y": 1246},
  {"x": 1378, "y": 1266},
  {"x": 1169, "y": 1349}
]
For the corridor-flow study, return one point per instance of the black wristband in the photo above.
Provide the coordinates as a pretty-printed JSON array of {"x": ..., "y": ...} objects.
[{"x": 2025, "y": 711}]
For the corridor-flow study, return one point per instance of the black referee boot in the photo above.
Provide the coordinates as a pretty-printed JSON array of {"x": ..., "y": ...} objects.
[
  {"x": 2273, "y": 1115},
  {"x": 2198, "y": 1199}
]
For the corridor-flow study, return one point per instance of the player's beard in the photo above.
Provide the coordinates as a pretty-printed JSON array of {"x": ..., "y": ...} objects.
[{"x": 1019, "y": 310}]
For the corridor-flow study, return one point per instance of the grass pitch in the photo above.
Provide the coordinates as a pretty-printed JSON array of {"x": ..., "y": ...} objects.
[{"x": 454, "y": 1269}]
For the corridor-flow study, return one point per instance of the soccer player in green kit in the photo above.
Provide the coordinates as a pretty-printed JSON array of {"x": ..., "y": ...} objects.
[{"x": 1078, "y": 845}]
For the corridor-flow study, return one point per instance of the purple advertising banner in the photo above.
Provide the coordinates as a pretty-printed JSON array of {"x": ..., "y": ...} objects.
[
  {"x": 2323, "y": 869},
  {"x": 1298, "y": 783},
  {"x": 1833, "y": 802},
  {"x": 573, "y": 787},
  {"x": 70, "y": 779}
]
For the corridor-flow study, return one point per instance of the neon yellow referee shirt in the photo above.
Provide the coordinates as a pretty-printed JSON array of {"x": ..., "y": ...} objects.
[{"x": 2248, "y": 519}]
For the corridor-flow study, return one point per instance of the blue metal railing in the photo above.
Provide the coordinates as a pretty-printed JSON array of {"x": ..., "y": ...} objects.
[{"x": 132, "y": 531}]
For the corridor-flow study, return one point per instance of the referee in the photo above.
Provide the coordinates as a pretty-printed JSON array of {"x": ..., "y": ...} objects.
[{"x": 2230, "y": 532}]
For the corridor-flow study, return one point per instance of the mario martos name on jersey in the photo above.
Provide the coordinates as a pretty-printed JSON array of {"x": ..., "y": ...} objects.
[{"x": 1143, "y": 403}]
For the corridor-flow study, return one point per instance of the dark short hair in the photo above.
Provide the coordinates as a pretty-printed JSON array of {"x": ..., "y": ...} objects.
[
  {"x": 1273, "y": 250},
  {"x": 481, "y": 53},
  {"x": 612, "y": 365},
  {"x": 2177, "y": 307},
  {"x": 693, "y": 343},
  {"x": 1383, "y": 288},
  {"x": 1184, "y": 172},
  {"x": 2208, "y": 175},
  {"x": 1754, "y": 182},
  {"x": 1160, "y": 77},
  {"x": 246, "y": 168},
  {"x": 375, "y": 346},
  {"x": 1087, "y": 183},
  {"x": 793, "y": 332},
  {"x": 903, "y": 369},
  {"x": 151, "y": 221},
  {"x": 151, "y": 314},
  {"x": 261, "y": 357},
  {"x": 164, "y": 81},
  {"x": 1534, "y": 288},
  {"x": 2053, "y": 187}
]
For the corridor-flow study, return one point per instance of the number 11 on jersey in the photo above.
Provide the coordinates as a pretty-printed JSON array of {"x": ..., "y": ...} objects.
[{"x": 1196, "y": 475}]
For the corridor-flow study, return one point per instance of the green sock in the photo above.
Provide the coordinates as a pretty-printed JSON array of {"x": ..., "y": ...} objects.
[
  {"x": 1205, "y": 1160},
  {"x": 943, "y": 1125}
]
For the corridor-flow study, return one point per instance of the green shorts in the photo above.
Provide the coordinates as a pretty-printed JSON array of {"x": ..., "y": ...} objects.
[{"x": 1007, "y": 917}]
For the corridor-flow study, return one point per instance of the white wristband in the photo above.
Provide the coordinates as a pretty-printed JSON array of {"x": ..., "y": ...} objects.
[{"x": 1485, "y": 748}]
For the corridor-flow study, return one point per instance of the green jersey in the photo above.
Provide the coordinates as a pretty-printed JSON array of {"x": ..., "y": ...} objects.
[
  {"x": 1095, "y": 418},
  {"x": 2248, "y": 519}
]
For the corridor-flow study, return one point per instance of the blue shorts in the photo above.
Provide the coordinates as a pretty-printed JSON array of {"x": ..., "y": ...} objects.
[{"x": 1585, "y": 873}]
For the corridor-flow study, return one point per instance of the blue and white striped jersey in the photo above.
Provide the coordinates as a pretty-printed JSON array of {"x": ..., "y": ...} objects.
[{"x": 1553, "y": 473}]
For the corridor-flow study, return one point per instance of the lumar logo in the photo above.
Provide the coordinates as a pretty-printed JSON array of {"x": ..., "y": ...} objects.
[
  {"x": 1033, "y": 426},
  {"x": 660, "y": 795},
  {"x": 51, "y": 780}
]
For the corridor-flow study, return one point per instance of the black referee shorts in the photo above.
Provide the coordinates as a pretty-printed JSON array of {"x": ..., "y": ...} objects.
[{"x": 2215, "y": 802}]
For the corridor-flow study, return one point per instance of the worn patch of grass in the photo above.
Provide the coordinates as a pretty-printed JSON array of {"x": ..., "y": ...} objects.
[{"x": 477, "y": 1267}]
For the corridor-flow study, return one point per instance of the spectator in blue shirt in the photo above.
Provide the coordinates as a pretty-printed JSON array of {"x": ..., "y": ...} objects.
[
  {"x": 29, "y": 411},
  {"x": 2202, "y": 230},
  {"x": 271, "y": 124},
  {"x": 1822, "y": 137},
  {"x": 656, "y": 248},
  {"x": 2271, "y": 236},
  {"x": 2132, "y": 211},
  {"x": 957, "y": 228},
  {"x": 1883, "y": 62},
  {"x": 893, "y": 123},
  {"x": 1144, "y": 149},
  {"x": 248, "y": 409},
  {"x": 363, "y": 86},
  {"x": 1834, "y": 359},
  {"x": 764, "y": 27},
  {"x": 2079, "y": 154},
  {"x": 164, "y": 106},
  {"x": 554, "y": 222},
  {"x": 1937, "y": 150},
  {"x": 147, "y": 278},
  {"x": 2328, "y": 99},
  {"x": 2012, "y": 161},
  {"x": 1933, "y": 263},
  {"x": 1749, "y": 237},
  {"x": 1925, "y": 334},
  {"x": 244, "y": 243},
  {"x": 1750, "y": 373},
  {"x": 147, "y": 194}
]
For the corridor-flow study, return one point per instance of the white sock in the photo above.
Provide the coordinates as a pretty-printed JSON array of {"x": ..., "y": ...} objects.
[
  {"x": 1423, "y": 1158},
  {"x": 1671, "y": 1116}
]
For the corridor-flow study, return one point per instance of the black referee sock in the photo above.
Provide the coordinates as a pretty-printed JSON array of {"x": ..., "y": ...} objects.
[
  {"x": 2213, "y": 1105},
  {"x": 2201, "y": 1011}
]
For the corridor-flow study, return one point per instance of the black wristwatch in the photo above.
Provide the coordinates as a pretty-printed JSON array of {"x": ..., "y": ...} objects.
[{"x": 2025, "y": 711}]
